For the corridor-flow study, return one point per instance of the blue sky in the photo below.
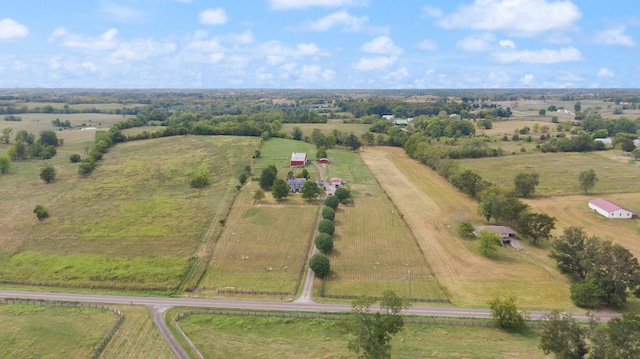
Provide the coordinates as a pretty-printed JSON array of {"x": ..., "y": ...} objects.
[{"x": 320, "y": 44}]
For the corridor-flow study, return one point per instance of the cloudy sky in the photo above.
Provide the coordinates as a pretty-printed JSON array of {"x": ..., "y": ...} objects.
[{"x": 320, "y": 44}]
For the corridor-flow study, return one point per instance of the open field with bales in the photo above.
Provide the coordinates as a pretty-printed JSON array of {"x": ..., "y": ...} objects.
[
  {"x": 559, "y": 171},
  {"x": 38, "y": 331},
  {"x": 374, "y": 249},
  {"x": 433, "y": 209},
  {"x": 105, "y": 229},
  {"x": 263, "y": 247},
  {"x": 219, "y": 336}
]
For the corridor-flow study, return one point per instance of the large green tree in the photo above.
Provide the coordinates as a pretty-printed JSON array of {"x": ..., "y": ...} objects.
[
  {"x": 48, "y": 138},
  {"x": 320, "y": 265},
  {"x": 268, "y": 177},
  {"x": 353, "y": 142},
  {"x": 5, "y": 164},
  {"x": 525, "y": 184},
  {"x": 310, "y": 190},
  {"x": 587, "y": 180},
  {"x": 6, "y": 134},
  {"x": 370, "y": 332},
  {"x": 280, "y": 189},
  {"x": 296, "y": 134},
  {"x": 563, "y": 336},
  {"x": 48, "y": 174},
  {"x": 25, "y": 137},
  {"x": 488, "y": 242},
  {"x": 536, "y": 226},
  {"x": 506, "y": 314}
]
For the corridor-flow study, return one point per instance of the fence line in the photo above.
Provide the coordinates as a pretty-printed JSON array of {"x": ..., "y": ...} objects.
[
  {"x": 105, "y": 341},
  {"x": 250, "y": 292},
  {"x": 89, "y": 286},
  {"x": 339, "y": 316},
  {"x": 193, "y": 346},
  {"x": 419, "y": 300}
]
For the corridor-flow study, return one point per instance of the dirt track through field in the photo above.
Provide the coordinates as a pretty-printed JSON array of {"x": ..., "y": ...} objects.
[{"x": 433, "y": 208}]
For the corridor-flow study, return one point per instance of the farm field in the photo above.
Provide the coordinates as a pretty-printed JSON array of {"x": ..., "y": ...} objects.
[
  {"x": 105, "y": 229},
  {"x": 263, "y": 247},
  {"x": 433, "y": 208},
  {"x": 37, "y": 331},
  {"x": 327, "y": 128},
  {"x": 137, "y": 337},
  {"x": 374, "y": 249},
  {"x": 36, "y": 122},
  {"x": 559, "y": 171},
  {"x": 219, "y": 336}
]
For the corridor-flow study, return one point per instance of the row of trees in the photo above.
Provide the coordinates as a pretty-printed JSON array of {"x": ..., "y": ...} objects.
[{"x": 26, "y": 145}]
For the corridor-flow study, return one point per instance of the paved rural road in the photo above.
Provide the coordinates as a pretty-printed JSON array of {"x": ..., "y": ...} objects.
[{"x": 159, "y": 305}]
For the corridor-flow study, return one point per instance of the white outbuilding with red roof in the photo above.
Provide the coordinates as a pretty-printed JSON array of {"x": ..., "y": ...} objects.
[{"x": 610, "y": 209}]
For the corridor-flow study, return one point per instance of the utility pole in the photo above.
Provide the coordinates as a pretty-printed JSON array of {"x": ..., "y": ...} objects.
[{"x": 409, "y": 283}]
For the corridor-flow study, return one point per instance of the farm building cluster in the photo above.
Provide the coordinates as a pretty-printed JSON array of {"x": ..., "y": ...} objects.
[{"x": 299, "y": 160}]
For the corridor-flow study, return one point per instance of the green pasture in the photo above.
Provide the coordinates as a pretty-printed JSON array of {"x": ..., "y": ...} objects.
[
  {"x": 220, "y": 336},
  {"x": 135, "y": 217},
  {"x": 559, "y": 171},
  {"x": 263, "y": 247},
  {"x": 32, "y": 331}
]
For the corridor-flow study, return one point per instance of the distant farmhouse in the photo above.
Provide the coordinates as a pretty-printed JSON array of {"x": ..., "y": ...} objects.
[
  {"x": 506, "y": 233},
  {"x": 388, "y": 117},
  {"x": 606, "y": 141},
  {"x": 610, "y": 209},
  {"x": 295, "y": 184},
  {"x": 298, "y": 159},
  {"x": 337, "y": 182}
]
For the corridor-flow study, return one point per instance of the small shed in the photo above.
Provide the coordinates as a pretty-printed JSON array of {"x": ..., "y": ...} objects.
[
  {"x": 324, "y": 160},
  {"x": 336, "y": 181},
  {"x": 506, "y": 233},
  {"x": 610, "y": 209},
  {"x": 295, "y": 184},
  {"x": 298, "y": 159}
]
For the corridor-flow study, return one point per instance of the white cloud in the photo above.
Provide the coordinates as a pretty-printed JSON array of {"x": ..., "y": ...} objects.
[
  {"x": 507, "y": 44},
  {"x": 477, "y": 43},
  {"x": 605, "y": 73},
  {"x": 213, "y": 17},
  {"x": 340, "y": 18},
  {"x": 315, "y": 74},
  {"x": 212, "y": 45},
  {"x": 543, "y": 56},
  {"x": 428, "y": 45},
  {"x": 375, "y": 63},
  {"x": 432, "y": 11},
  {"x": 142, "y": 49},
  {"x": 527, "y": 79},
  {"x": 381, "y": 45},
  {"x": 309, "y": 49},
  {"x": 11, "y": 30},
  {"x": 398, "y": 75},
  {"x": 303, "y": 4},
  {"x": 243, "y": 38},
  {"x": 615, "y": 36},
  {"x": 125, "y": 14},
  {"x": 106, "y": 41},
  {"x": 519, "y": 17}
]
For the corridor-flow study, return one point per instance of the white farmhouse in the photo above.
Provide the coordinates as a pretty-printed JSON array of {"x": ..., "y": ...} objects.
[{"x": 610, "y": 209}]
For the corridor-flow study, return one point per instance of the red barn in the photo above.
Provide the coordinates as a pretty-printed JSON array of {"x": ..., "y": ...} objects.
[
  {"x": 324, "y": 160},
  {"x": 298, "y": 159}
]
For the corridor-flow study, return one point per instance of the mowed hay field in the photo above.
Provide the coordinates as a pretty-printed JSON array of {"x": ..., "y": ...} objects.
[
  {"x": 220, "y": 336},
  {"x": 373, "y": 248},
  {"x": 263, "y": 247},
  {"x": 558, "y": 172},
  {"x": 433, "y": 208},
  {"x": 134, "y": 222},
  {"x": 35, "y": 331},
  {"x": 137, "y": 337}
]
